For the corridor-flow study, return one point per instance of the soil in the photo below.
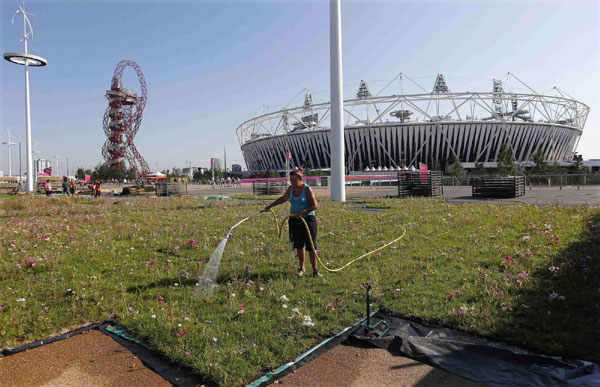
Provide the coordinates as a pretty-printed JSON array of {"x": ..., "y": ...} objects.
[
  {"x": 88, "y": 359},
  {"x": 357, "y": 364}
]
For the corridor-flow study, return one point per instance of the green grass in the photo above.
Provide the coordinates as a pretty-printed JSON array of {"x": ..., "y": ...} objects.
[{"x": 138, "y": 259}]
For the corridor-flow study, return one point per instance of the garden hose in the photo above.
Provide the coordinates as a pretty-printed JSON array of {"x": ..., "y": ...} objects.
[{"x": 279, "y": 226}]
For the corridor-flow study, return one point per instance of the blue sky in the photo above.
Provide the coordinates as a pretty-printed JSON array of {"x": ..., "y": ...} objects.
[{"x": 209, "y": 66}]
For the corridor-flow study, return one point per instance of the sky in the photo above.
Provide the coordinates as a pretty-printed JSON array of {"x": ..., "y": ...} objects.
[{"x": 210, "y": 65}]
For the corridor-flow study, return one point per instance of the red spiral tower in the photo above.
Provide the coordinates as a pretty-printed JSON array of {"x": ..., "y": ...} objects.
[{"x": 122, "y": 121}]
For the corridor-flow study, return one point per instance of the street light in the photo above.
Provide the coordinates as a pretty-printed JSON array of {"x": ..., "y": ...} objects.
[{"x": 26, "y": 60}]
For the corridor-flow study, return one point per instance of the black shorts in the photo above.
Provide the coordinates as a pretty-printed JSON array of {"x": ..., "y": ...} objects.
[{"x": 298, "y": 235}]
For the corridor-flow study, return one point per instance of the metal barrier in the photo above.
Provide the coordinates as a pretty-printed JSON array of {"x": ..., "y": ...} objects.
[
  {"x": 532, "y": 180},
  {"x": 268, "y": 187},
  {"x": 499, "y": 186},
  {"x": 168, "y": 189},
  {"x": 420, "y": 184}
]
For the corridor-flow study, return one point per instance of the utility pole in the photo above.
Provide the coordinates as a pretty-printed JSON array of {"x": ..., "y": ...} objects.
[
  {"x": 338, "y": 183},
  {"x": 35, "y": 151},
  {"x": 20, "y": 175},
  {"x": 67, "y": 167},
  {"x": 56, "y": 157},
  {"x": 225, "y": 160},
  {"x": 9, "y": 144}
]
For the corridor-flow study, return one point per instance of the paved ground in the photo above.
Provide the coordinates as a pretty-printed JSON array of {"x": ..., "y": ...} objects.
[{"x": 568, "y": 195}]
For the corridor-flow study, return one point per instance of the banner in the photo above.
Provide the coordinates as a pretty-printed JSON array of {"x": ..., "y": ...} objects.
[
  {"x": 87, "y": 178},
  {"x": 48, "y": 171},
  {"x": 289, "y": 155},
  {"x": 423, "y": 170},
  {"x": 212, "y": 161}
]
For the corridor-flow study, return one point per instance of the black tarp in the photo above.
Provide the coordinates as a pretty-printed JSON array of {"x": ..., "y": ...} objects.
[{"x": 473, "y": 357}]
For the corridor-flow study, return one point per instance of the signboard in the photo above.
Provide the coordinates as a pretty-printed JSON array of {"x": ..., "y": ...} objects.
[
  {"x": 288, "y": 156},
  {"x": 212, "y": 161}
]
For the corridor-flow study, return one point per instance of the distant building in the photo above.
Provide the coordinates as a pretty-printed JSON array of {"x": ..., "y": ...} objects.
[
  {"x": 218, "y": 165},
  {"x": 397, "y": 131},
  {"x": 236, "y": 168},
  {"x": 592, "y": 164},
  {"x": 188, "y": 172},
  {"x": 40, "y": 165}
]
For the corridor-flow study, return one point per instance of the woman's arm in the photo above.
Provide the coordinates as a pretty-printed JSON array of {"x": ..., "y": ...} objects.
[{"x": 282, "y": 199}]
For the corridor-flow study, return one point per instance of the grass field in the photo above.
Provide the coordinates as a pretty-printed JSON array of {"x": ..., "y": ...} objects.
[{"x": 526, "y": 275}]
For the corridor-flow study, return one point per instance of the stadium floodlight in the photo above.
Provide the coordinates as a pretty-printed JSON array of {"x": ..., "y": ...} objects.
[{"x": 26, "y": 59}]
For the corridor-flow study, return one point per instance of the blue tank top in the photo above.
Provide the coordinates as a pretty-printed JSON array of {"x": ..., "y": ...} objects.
[{"x": 300, "y": 202}]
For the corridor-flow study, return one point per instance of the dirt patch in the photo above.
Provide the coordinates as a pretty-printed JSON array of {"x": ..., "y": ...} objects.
[
  {"x": 87, "y": 359},
  {"x": 357, "y": 364}
]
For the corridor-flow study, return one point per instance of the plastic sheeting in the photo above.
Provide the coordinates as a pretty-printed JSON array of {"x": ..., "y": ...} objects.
[{"x": 475, "y": 358}]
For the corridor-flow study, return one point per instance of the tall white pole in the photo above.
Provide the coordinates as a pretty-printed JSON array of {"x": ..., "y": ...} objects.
[
  {"x": 338, "y": 187},
  {"x": 9, "y": 159},
  {"x": 9, "y": 144},
  {"x": 30, "y": 176}
]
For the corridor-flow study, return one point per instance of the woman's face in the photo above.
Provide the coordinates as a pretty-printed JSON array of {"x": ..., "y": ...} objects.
[{"x": 296, "y": 180}]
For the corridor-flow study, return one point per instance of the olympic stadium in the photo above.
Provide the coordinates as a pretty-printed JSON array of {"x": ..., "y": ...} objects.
[{"x": 397, "y": 131}]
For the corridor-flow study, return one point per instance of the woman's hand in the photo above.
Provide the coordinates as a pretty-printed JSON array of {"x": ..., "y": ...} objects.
[{"x": 298, "y": 215}]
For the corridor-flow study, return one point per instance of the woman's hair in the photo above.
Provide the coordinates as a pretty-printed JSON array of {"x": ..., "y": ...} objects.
[{"x": 299, "y": 171}]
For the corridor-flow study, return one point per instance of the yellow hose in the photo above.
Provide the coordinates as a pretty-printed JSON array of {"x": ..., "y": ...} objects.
[{"x": 279, "y": 227}]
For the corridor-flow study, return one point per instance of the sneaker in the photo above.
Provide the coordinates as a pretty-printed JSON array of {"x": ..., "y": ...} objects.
[
  {"x": 300, "y": 272},
  {"x": 316, "y": 274}
]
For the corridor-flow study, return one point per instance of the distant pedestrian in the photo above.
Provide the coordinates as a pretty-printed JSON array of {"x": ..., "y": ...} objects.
[
  {"x": 48, "y": 188},
  {"x": 73, "y": 187},
  {"x": 98, "y": 189},
  {"x": 65, "y": 187}
]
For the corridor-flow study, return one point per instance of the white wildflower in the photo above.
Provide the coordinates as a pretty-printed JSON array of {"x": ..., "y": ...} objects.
[{"x": 283, "y": 298}]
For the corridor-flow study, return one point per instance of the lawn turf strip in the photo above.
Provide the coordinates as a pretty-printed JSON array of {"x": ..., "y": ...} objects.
[{"x": 522, "y": 274}]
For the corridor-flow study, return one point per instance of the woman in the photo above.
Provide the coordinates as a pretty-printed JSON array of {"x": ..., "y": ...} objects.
[{"x": 303, "y": 206}]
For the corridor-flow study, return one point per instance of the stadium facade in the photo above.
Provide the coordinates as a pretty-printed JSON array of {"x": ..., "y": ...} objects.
[{"x": 404, "y": 130}]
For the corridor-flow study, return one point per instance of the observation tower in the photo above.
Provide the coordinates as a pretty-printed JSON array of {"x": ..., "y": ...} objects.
[{"x": 122, "y": 121}]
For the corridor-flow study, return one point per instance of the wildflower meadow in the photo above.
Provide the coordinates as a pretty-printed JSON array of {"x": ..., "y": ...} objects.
[{"x": 522, "y": 274}]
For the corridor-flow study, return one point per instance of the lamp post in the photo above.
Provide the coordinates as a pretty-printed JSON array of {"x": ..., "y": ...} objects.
[
  {"x": 9, "y": 144},
  {"x": 26, "y": 60}
]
